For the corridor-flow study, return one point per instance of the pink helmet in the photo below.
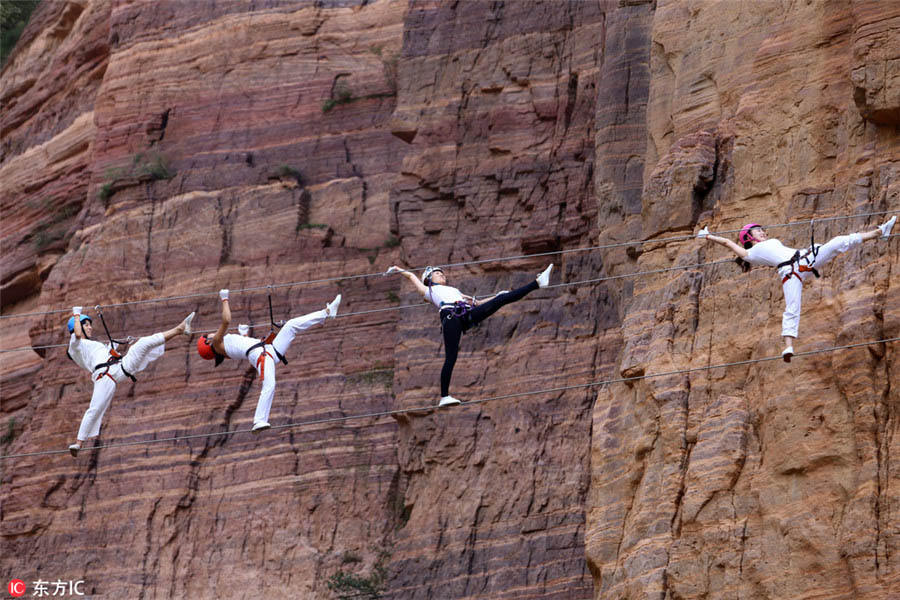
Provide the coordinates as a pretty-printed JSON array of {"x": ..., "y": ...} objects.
[{"x": 744, "y": 236}]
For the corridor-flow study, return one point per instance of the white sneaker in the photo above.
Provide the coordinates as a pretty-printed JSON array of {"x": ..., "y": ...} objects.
[
  {"x": 261, "y": 426},
  {"x": 187, "y": 323},
  {"x": 787, "y": 354},
  {"x": 448, "y": 401},
  {"x": 544, "y": 278},
  {"x": 886, "y": 227},
  {"x": 332, "y": 307},
  {"x": 73, "y": 449}
]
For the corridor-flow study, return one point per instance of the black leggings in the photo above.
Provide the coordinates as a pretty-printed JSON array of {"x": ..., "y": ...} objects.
[{"x": 455, "y": 326}]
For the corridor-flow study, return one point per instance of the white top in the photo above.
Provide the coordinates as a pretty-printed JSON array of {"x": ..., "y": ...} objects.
[
  {"x": 236, "y": 346},
  {"x": 86, "y": 353},
  {"x": 769, "y": 253},
  {"x": 444, "y": 294}
]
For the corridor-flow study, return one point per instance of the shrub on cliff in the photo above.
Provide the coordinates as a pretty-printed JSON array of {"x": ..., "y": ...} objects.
[{"x": 13, "y": 19}]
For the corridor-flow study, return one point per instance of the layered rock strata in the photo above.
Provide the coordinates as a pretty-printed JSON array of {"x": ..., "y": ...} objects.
[
  {"x": 763, "y": 480},
  {"x": 206, "y": 158}
]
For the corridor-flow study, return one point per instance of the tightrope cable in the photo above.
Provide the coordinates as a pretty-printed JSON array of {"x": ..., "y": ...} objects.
[
  {"x": 418, "y": 409},
  {"x": 421, "y": 304},
  {"x": 457, "y": 264}
]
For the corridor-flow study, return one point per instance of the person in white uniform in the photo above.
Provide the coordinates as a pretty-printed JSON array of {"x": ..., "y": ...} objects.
[
  {"x": 459, "y": 313},
  {"x": 261, "y": 354},
  {"x": 794, "y": 266},
  {"x": 108, "y": 368}
]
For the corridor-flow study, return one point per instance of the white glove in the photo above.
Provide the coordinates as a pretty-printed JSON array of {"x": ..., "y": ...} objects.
[
  {"x": 703, "y": 232},
  {"x": 243, "y": 329},
  {"x": 393, "y": 270},
  {"x": 76, "y": 310},
  {"x": 223, "y": 294}
]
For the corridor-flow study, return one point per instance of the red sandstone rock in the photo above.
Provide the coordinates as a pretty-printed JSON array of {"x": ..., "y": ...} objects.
[
  {"x": 763, "y": 480},
  {"x": 875, "y": 71}
]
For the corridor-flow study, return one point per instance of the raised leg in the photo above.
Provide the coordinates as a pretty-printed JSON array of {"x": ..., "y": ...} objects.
[
  {"x": 483, "y": 311},
  {"x": 143, "y": 352},
  {"x": 290, "y": 330}
]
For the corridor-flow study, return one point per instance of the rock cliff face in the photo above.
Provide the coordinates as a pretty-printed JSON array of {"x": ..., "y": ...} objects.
[
  {"x": 764, "y": 480},
  {"x": 201, "y": 157},
  {"x": 164, "y": 149}
]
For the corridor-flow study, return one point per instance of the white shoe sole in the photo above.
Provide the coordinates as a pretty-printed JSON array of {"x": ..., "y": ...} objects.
[
  {"x": 449, "y": 402},
  {"x": 187, "y": 323},
  {"x": 257, "y": 428},
  {"x": 887, "y": 227},
  {"x": 544, "y": 278},
  {"x": 332, "y": 307}
]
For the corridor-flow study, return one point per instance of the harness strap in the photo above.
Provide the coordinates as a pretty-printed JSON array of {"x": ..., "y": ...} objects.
[
  {"x": 263, "y": 354},
  {"x": 458, "y": 308},
  {"x": 106, "y": 373},
  {"x": 795, "y": 260},
  {"x": 113, "y": 360},
  {"x": 261, "y": 363}
]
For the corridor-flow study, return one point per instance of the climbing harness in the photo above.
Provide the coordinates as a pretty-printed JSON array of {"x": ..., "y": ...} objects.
[
  {"x": 114, "y": 356},
  {"x": 461, "y": 310},
  {"x": 261, "y": 361},
  {"x": 809, "y": 255},
  {"x": 113, "y": 360}
]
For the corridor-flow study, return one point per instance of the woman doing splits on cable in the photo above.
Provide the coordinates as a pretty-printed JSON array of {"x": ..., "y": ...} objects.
[
  {"x": 107, "y": 367},
  {"x": 261, "y": 354},
  {"x": 459, "y": 313},
  {"x": 794, "y": 266}
]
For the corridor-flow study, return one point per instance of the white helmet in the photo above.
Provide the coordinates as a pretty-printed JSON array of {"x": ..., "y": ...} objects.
[{"x": 429, "y": 271}]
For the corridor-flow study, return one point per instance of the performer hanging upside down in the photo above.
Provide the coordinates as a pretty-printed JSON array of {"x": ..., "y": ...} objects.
[
  {"x": 261, "y": 354},
  {"x": 794, "y": 266},
  {"x": 459, "y": 313},
  {"x": 107, "y": 367}
]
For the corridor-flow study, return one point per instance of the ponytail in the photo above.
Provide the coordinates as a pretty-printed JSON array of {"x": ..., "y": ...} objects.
[{"x": 743, "y": 264}]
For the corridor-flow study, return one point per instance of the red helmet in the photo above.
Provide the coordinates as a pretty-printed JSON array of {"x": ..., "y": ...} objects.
[
  {"x": 745, "y": 236},
  {"x": 205, "y": 349}
]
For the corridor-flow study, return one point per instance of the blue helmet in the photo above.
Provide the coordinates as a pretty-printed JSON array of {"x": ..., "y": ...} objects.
[{"x": 71, "y": 323}]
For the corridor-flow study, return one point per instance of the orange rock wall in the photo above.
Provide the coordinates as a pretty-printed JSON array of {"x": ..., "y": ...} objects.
[{"x": 765, "y": 480}]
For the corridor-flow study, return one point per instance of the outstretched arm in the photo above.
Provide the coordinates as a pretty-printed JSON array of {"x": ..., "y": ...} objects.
[
  {"x": 728, "y": 244},
  {"x": 420, "y": 287},
  {"x": 219, "y": 336},
  {"x": 79, "y": 332}
]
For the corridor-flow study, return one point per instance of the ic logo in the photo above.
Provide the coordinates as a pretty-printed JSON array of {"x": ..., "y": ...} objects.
[{"x": 16, "y": 588}]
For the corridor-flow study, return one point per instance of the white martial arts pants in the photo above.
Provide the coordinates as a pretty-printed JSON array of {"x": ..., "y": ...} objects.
[
  {"x": 793, "y": 287},
  {"x": 266, "y": 366},
  {"x": 142, "y": 353}
]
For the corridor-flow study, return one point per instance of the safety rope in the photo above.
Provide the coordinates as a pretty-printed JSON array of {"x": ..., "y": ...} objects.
[
  {"x": 472, "y": 402},
  {"x": 458, "y": 264}
]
